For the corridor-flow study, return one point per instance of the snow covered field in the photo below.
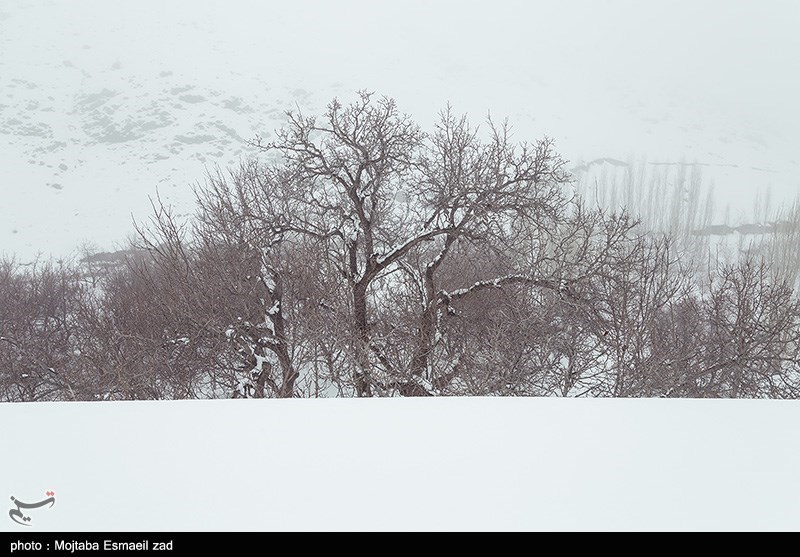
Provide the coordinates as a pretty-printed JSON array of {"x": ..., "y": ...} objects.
[
  {"x": 102, "y": 103},
  {"x": 461, "y": 464}
]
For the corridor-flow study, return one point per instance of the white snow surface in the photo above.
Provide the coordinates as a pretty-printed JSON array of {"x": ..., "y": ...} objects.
[
  {"x": 104, "y": 102},
  {"x": 405, "y": 464}
]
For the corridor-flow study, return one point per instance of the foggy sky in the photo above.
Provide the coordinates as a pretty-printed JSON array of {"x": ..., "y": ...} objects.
[{"x": 700, "y": 80}]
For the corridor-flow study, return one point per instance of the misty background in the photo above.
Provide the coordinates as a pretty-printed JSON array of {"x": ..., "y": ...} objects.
[{"x": 103, "y": 103}]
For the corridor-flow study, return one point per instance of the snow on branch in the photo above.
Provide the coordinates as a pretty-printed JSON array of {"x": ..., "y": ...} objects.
[
  {"x": 499, "y": 282},
  {"x": 399, "y": 251}
]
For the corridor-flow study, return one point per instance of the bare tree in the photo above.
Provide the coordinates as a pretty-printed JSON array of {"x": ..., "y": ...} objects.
[
  {"x": 753, "y": 334},
  {"x": 37, "y": 330},
  {"x": 366, "y": 257},
  {"x": 389, "y": 200}
]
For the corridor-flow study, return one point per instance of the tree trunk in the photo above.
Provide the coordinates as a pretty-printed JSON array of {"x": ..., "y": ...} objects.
[{"x": 361, "y": 344}]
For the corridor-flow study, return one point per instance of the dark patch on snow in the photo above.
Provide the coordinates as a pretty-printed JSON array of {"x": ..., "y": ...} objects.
[
  {"x": 193, "y": 99},
  {"x": 179, "y": 90},
  {"x": 194, "y": 139}
]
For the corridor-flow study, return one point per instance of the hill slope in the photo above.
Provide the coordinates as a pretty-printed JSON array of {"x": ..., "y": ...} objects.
[{"x": 101, "y": 104}]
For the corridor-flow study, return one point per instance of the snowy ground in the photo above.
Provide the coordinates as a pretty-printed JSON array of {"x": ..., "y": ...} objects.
[
  {"x": 462, "y": 464},
  {"x": 103, "y": 102}
]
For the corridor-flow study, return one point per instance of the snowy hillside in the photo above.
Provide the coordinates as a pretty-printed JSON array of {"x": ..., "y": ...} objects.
[
  {"x": 461, "y": 464},
  {"x": 102, "y": 103}
]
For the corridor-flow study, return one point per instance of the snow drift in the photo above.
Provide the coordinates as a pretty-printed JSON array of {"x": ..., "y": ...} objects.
[{"x": 444, "y": 464}]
